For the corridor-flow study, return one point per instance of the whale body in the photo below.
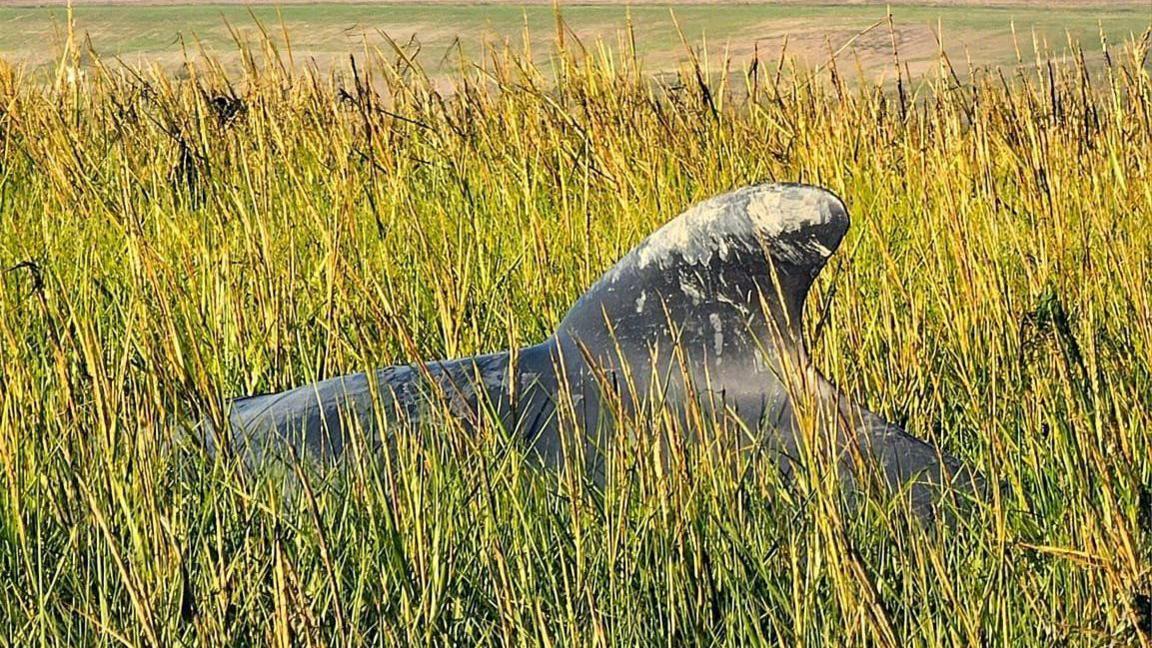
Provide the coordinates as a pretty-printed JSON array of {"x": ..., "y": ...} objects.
[{"x": 708, "y": 310}]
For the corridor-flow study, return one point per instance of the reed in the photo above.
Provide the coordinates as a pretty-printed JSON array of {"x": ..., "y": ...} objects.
[{"x": 171, "y": 240}]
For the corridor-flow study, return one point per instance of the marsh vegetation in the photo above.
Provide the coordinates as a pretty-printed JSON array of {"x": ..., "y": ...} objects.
[{"x": 169, "y": 241}]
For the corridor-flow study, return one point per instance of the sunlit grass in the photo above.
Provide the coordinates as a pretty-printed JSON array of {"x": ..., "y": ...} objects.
[{"x": 171, "y": 242}]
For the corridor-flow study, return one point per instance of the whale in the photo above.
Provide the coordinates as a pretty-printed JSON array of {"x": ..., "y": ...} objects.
[{"x": 703, "y": 318}]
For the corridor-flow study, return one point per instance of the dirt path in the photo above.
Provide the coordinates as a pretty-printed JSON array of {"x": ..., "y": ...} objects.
[{"x": 1033, "y": 4}]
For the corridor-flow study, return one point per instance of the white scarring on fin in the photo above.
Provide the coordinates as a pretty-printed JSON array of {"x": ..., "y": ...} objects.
[
  {"x": 717, "y": 334},
  {"x": 708, "y": 228}
]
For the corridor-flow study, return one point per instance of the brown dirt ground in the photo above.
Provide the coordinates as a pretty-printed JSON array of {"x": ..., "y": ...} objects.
[{"x": 1055, "y": 4}]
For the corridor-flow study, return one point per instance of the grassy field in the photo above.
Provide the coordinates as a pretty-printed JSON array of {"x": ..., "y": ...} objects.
[
  {"x": 163, "y": 248},
  {"x": 326, "y": 33}
]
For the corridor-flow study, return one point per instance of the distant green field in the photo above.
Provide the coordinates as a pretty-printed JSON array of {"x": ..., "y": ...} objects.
[{"x": 327, "y": 33}]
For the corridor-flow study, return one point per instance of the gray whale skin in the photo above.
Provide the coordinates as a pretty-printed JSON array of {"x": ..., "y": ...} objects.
[{"x": 706, "y": 310}]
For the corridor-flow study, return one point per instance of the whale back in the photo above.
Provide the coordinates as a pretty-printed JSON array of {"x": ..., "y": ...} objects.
[{"x": 718, "y": 291}]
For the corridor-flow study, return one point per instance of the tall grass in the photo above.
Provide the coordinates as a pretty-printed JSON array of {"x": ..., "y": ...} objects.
[{"x": 171, "y": 240}]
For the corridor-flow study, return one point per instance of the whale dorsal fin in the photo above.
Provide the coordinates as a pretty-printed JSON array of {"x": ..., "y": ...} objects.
[{"x": 712, "y": 273}]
